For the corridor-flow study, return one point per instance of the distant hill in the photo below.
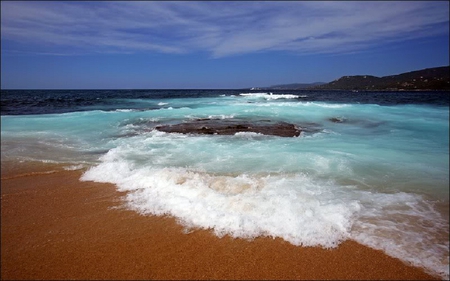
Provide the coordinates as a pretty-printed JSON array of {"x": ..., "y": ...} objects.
[{"x": 437, "y": 78}]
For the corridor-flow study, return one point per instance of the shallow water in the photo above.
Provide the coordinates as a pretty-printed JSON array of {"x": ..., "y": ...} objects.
[{"x": 372, "y": 167}]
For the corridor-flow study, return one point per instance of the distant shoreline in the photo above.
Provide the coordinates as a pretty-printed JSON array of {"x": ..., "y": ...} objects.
[
  {"x": 369, "y": 90},
  {"x": 428, "y": 79}
]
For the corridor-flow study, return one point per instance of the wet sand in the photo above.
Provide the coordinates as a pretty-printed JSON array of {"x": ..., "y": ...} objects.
[{"x": 55, "y": 227}]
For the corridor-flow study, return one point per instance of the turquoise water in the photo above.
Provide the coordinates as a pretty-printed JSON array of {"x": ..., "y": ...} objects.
[{"x": 379, "y": 176}]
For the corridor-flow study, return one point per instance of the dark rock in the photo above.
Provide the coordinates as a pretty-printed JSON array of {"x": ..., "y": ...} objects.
[
  {"x": 337, "y": 119},
  {"x": 231, "y": 127}
]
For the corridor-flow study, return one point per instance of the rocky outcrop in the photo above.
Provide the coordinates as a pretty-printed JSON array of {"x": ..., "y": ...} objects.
[{"x": 231, "y": 127}]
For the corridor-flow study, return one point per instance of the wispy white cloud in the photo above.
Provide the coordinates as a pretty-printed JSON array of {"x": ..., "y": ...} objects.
[{"x": 219, "y": 28}]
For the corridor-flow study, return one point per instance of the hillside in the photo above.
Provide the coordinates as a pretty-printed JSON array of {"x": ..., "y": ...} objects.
[{"x": 436, "y": 78}]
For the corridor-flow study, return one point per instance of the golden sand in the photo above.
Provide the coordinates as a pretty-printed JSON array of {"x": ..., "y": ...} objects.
[{"x": 55, "y": 227}]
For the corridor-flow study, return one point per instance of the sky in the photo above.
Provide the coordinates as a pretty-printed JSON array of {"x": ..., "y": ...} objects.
[{"x": 215, "y": 44}]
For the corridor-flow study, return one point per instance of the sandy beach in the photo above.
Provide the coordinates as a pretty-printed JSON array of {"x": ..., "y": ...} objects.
[{"x": 56, "y": 227}]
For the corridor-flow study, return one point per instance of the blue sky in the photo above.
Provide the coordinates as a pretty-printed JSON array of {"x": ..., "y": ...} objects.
[{"x": 189, "y": 44}]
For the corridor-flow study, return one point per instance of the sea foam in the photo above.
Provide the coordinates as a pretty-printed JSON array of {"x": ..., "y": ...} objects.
[
  {"x": 269, "y": 96},
  {"x": 303, "y": 208},
  {"x": 246, "y": 206}
]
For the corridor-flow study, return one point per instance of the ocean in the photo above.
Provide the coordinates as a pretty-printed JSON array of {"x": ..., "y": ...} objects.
[{"x": 372, "y": 167}]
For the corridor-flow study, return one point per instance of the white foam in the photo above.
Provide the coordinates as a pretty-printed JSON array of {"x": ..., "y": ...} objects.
[
  {"x": 404, "y": 219},
  {"x": 293, "y": 208},
  {"x": 249, "y": 135},
  {"x": 221, "y": 116},
  {"x": 299, "y": 208},
  {"x": 269, "y": 96},
  {"x": 162, "y": 103},
  {"x": 253, "y": 94},
  {"x": 213, "y": 116},
  {"x": 74, "y": 167},
  {"x": 324, "y": 105}
]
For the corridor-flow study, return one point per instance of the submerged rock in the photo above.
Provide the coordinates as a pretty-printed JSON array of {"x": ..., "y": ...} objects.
[
  {"x": 231, "y": 127},
  {"x": 337, "y": 119}
]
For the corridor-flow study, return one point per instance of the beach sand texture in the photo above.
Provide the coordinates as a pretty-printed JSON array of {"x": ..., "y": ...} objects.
[{"x": 55, "y": 227}]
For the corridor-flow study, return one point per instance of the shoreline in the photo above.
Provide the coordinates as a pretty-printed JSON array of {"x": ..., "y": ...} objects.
[{"x": 57, "y": 227}]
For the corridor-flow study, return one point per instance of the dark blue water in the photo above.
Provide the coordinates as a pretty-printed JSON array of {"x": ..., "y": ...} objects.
[{"x": 28, "y": 102}]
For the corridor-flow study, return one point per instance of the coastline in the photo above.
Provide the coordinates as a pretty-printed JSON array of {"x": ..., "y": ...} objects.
[{"x": 57, "y": 227}]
